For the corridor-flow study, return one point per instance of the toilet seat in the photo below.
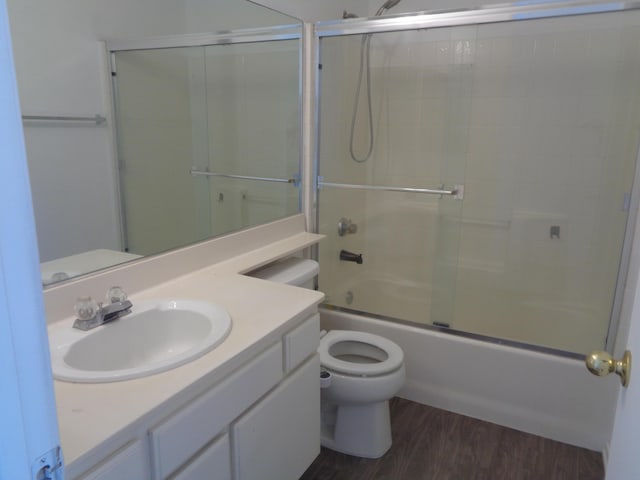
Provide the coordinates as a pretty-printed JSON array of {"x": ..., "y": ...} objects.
[{"x": 374, "y": 344}]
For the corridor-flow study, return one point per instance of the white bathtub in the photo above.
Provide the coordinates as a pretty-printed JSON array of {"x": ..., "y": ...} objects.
[{"x": 539, "y": 393}]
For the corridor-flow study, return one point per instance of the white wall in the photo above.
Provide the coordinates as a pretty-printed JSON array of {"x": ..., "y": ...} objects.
[
  {"x": 427, "y": 5},
  {"x": 211, "y": 16},
  {"x": 314, "y": 11}
]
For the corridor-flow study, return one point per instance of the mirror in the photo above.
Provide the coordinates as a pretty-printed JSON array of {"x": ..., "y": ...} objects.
[{"x": 181, "y": 114}]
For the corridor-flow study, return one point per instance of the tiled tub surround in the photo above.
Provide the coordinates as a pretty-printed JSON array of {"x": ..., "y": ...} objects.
[{"x": 100, "y": 420}]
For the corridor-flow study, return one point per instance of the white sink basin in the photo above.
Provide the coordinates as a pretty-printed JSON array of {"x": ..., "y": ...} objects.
[{"x": 155, "y": 337}]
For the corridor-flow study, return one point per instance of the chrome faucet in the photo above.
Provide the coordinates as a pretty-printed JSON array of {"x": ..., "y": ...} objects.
[{"x": 91, "y": 314}]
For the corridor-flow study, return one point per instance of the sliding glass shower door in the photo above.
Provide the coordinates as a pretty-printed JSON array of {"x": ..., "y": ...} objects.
[
  {"x": 536, "y": 125},
  {"x": 208, "y": 139},
  {"x": 254, "y": 132},
  {"x": 408, "y": 236}
]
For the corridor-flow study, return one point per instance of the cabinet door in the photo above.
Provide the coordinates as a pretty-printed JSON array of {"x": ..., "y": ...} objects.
[
  {"x": 183, "y": 434},
  {"x": 212, "y": 463},
  {"x": 280, "y": 436}
]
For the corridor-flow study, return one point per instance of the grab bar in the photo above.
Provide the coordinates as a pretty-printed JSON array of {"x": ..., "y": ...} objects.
[
  {"x": 96, "y": 119},
  {"x": 456, "y": 192},
  {"x": 195, "y": 172}
]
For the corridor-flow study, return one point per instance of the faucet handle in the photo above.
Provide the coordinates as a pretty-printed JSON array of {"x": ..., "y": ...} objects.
[
  {"x": 116, "y": 295},
  {"x": 86, "y": 308}
]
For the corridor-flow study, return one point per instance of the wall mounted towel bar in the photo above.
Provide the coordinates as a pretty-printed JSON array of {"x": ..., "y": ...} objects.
[
  {"x": 96, "y": 119},
  {"x": 456, "y": 192},
  {"x": 195, "y": 172}
]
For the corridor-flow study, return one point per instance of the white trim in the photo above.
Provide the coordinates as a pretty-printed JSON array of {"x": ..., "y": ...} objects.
[
  {"x": 605, "y": 455},
  {"x": 266, "y": 34},
  {"x": 309, "y": 118},
  {"x": 493, "y": 14},
  {"x": 29, "y": 421}
]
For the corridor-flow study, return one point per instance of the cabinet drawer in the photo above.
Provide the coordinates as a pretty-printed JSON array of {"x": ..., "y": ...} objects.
[
  {"x": 131, "y": 462},
  {"x": 213, "y": 462},
  {"x": 301, "y": 342},
  {"x": 280, "y": 436},
  {"x": 178, "y": 438}
]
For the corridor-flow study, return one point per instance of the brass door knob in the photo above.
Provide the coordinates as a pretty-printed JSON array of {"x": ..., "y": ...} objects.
[{"x": 601, "y": 364}]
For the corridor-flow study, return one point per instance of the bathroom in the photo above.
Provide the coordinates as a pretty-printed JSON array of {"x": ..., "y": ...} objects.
[{"x": 81, "y": 87}]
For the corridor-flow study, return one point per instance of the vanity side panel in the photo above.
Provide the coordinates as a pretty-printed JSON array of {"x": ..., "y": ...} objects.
[{"x": 280, "y": 437}]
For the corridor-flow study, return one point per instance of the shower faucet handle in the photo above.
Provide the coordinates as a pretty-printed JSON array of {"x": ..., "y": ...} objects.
[{"x": 345, "y": 225}]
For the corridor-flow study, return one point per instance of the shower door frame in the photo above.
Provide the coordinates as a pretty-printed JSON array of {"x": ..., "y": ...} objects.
[
  {"x": 520, "y": 11},
  {"x": 209, "y": 39}
]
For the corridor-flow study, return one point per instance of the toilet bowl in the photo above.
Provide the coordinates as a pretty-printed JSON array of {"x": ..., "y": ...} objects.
[{"x": 360, "y": 372}]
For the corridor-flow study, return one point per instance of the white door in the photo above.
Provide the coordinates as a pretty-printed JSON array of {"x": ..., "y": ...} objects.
[
  {"x": 624, "y": 448},
  {"x": 28, "y": 426}
]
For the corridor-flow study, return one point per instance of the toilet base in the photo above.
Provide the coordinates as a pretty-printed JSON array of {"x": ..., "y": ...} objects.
[{"x": 359, "y": 430}]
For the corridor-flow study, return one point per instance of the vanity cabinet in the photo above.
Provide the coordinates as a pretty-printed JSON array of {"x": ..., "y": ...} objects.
[
  {"x": 279, "y": 437},
  {"x": 260, "y": 422},
  {"x": 184, "y": 433}
]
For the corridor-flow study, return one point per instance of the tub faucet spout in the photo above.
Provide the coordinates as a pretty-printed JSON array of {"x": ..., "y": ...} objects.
[{"x": 351, "y": 257}]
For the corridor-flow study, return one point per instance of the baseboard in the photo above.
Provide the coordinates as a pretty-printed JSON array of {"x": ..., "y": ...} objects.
[{"x": 605, "y": 455}]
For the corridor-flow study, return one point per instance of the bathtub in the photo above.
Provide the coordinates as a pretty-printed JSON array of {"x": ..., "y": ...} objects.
[
  {"x": 539, "y": 393},
  {"x": 570, "y": 327},
  {"x": 384, "y": 293}
]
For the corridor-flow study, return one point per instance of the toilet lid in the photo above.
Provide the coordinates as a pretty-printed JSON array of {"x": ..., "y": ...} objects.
[{"x": 389, "y": 354}]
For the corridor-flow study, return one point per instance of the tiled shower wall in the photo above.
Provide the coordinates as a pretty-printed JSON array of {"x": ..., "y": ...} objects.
[{"x": 540, "y": 121}]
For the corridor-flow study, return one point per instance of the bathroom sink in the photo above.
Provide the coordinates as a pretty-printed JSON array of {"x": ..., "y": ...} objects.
[{"x": 156, "y": 336}]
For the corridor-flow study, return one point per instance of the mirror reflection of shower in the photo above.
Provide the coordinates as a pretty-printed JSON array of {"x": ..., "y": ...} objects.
[{"x": 364, "y": 76}]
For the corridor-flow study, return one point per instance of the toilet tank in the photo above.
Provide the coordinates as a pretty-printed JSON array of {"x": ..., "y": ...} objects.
[{"x": 299, "y": 272}]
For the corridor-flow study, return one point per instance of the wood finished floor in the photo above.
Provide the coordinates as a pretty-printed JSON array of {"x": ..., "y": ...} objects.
[{"x": 433, "y": 444}]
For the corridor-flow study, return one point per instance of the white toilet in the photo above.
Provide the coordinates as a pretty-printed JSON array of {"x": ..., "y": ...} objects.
[{"x": 360, "y": 372}]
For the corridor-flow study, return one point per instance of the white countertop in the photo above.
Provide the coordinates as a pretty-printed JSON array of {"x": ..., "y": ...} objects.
[{"x": 93, "y": 418}]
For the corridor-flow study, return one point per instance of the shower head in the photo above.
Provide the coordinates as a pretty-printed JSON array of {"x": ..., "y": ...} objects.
[{"x": 389, "y": 4}]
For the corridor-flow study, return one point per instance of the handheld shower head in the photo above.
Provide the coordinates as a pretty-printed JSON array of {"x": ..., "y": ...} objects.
[
  {"x": 390, "y": 4},
  {"x": 386, "y": 6},
  {"x": 365, "y": 74}
]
